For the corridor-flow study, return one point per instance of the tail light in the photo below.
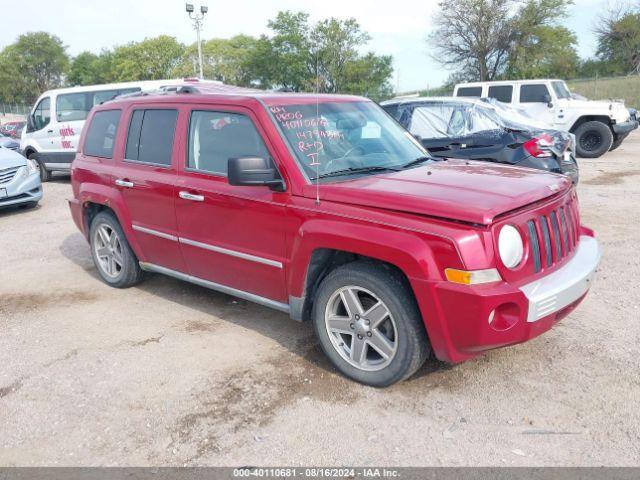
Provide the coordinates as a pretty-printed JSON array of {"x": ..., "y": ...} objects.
[{"x": 539, "y": 146}]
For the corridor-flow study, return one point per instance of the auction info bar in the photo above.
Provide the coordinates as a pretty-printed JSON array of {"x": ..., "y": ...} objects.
[{"x": 215, "y": 473}]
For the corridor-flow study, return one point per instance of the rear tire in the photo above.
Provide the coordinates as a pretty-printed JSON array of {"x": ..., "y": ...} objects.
[
  {"x": 377, "y": 339},
  {"x": 45, "y": 175},
  {"x": 593, "y": 139},
  {"x": 116, "y": 263}
]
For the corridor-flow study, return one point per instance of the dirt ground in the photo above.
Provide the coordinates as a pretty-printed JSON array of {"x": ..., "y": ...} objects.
[{"x": 168, "y": 373}]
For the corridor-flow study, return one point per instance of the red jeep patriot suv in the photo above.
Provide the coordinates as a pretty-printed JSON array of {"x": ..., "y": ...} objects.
[{"x": 323, "y": 207}]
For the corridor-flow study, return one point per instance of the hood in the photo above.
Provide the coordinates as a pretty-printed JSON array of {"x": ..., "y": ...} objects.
[
  {"x": 11, "y": 159},
  {"x": 598, "y": 107},
  {"x": 9, "y": 142},
  {"x": 474, "y": 192}
]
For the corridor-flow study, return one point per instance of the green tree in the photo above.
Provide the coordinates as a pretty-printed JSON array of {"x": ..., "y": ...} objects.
[
  {"x": 369, "y": 76},
  {"x": 619, "y": 40},
  {"x": 542, "y": 48},
  {"x": 227, "y": 60},
  {"x": 324, "y": 56},
  {"x": 290, "y": 63},
  {"x": 151, "y": 59},
  {"x": 91, "y": 69},
  {"x": 34, "y": 63}
]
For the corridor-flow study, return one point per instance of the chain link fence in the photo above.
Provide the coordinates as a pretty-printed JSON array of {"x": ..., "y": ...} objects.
[{"x": 14, "y": 109}]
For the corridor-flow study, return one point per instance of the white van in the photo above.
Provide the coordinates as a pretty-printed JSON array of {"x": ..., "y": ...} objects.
[
  {"x": 599, "y": 126},
  {"x": 56, "y": 120}
]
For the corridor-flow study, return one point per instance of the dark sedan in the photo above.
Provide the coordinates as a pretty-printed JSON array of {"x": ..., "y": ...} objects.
[{"x": 485, "y": 130}]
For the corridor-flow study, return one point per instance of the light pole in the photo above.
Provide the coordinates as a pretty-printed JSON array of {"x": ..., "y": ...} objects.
[{"x": 197, "y": 25}]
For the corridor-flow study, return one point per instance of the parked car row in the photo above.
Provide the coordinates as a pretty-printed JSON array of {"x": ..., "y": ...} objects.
[
  {"x": 12, "y": 129},
  {"x": 599, "y": 126}
]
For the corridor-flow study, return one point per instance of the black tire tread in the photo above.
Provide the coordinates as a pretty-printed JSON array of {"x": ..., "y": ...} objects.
[
  {"x": 385, "y": 282},
  {"x": 605, "y": 132}
]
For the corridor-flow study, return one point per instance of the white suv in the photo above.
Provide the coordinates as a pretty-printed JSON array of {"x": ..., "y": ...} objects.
[{"x": 599, "y": 126}]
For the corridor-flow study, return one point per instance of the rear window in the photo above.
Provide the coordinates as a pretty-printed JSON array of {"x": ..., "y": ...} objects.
[
  {"x": 101, "y": 135},
  {"x": 502, "y": 93},
  {"x": 76, "y": 106},
  {"x": 469, "y": 92},
  {"x": 533, "y": 93},
  {"x": 150, "y": 137}
]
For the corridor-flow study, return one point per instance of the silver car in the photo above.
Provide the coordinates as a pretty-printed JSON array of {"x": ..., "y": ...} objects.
[{"x": 19, "y": 180}]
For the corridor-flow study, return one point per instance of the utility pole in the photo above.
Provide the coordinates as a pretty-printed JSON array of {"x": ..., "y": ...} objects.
[{"x": 197, "y": 25}]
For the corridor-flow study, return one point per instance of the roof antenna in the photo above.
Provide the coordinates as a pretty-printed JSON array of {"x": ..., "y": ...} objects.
[{"x": 318, "y": 129}]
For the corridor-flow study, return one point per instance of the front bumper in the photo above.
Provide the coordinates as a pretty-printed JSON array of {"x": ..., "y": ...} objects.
[
  {"x": 625, "y": 127},
  {"x": 21, "y": 189},
  {"x": 463, "y": 321}
]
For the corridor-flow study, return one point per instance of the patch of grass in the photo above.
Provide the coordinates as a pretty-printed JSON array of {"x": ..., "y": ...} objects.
[{"x": 627, "y": 88}]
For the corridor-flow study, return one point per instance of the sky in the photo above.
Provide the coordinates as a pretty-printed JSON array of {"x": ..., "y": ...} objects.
[{"x": 398, "y": 28}]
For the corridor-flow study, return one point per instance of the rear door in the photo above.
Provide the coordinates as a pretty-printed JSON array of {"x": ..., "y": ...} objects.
[
  {"x": 230, "y": 235},
  {"x": 146, "y": 177}
]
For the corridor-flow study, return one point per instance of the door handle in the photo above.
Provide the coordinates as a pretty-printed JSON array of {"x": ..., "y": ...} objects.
[
  {"x": 191, "y": 196},
  {"x": 49, "y": 131},
  {"x": 124, "y": 183}
]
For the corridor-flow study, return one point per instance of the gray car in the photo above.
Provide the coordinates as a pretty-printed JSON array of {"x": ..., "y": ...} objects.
[{"x": 19, "y": 180}]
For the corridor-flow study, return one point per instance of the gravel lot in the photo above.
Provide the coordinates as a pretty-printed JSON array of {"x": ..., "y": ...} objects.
[{"x": 171, "y": 374}]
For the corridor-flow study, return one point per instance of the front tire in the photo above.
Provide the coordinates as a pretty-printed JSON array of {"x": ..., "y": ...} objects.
[
  {"x": 593, "y": 139},
  {"x": 116, "y": 263},
  {"x": 45, "y": 175},
  {"x": 617, "y": 142},
  {"x": 369, "y": 325}
]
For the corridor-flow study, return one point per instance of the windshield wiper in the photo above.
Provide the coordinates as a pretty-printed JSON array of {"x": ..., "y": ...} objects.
[
  {"x": 354, "y": 170},
  {"x": 417, "y": 161}
]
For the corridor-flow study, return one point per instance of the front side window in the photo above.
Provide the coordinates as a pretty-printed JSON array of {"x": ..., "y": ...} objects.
[
  {"x": 332, "y": 137},
  {"x": 42, "y": 114},
  {"x": 150, "y": 136},
  {"x": 535, "y": 93},
  {"x": 561, "y": 89},
  {"x": 502, "y": 93},
  {"x": 101, "y": 135},
  {"x": 215, "y": 137},
  {"x": 469, "y": 92}
]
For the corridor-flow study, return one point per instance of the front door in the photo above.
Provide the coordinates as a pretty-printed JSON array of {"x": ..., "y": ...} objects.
[
  {"x": 146, "y": 177},
  {"x": 231, "y": 236},
  {"x": 536, "y": 100}
]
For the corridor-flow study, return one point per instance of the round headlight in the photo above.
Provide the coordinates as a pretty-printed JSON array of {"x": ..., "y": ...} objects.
[{"x": 510, "y": 246}]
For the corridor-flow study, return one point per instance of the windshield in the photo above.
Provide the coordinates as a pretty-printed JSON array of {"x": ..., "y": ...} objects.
[
  {"x": 333, "y": 137},
  {"x": 561, "y": 89}
]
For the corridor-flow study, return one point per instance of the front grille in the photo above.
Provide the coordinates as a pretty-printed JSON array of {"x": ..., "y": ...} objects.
[
  {"x": 553, "y": 236},
  {"x": 7, "y": 174}
]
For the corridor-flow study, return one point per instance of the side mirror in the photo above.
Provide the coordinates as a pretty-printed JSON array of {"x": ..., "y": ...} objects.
[
  {"x": 253, "y": 172},
  {"x": 547, "y": 99}
]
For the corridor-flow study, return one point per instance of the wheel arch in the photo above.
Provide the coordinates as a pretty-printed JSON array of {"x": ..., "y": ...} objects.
[
  {"x": 590, "y": 118},
  {"x": 95, "y": 198},
  {"x": 323, "y": 245}
]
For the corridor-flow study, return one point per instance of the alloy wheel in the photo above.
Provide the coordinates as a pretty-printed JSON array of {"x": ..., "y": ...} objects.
[
  {"x": 108, "y": 250},
  {"x": 361, "y": 328}
]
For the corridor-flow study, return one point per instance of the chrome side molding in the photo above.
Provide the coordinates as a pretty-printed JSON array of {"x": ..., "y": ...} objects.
[
  {"x": 232, "y": 253},
  {"x": 267, "y": 302}
]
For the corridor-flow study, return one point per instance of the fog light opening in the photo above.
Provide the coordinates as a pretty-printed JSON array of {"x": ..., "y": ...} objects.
[{"x": 504, "y": 316}]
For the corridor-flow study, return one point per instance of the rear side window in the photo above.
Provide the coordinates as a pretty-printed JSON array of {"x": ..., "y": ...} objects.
[
  {"x": 533, "y": 93},
  {"x": 76, "y": 106},
  {"x": 101, "y": 135},
  {"x": 469, "y": 92},
  {"x": 502, "y": 93},
  {"x": 150, "y": 137}
]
